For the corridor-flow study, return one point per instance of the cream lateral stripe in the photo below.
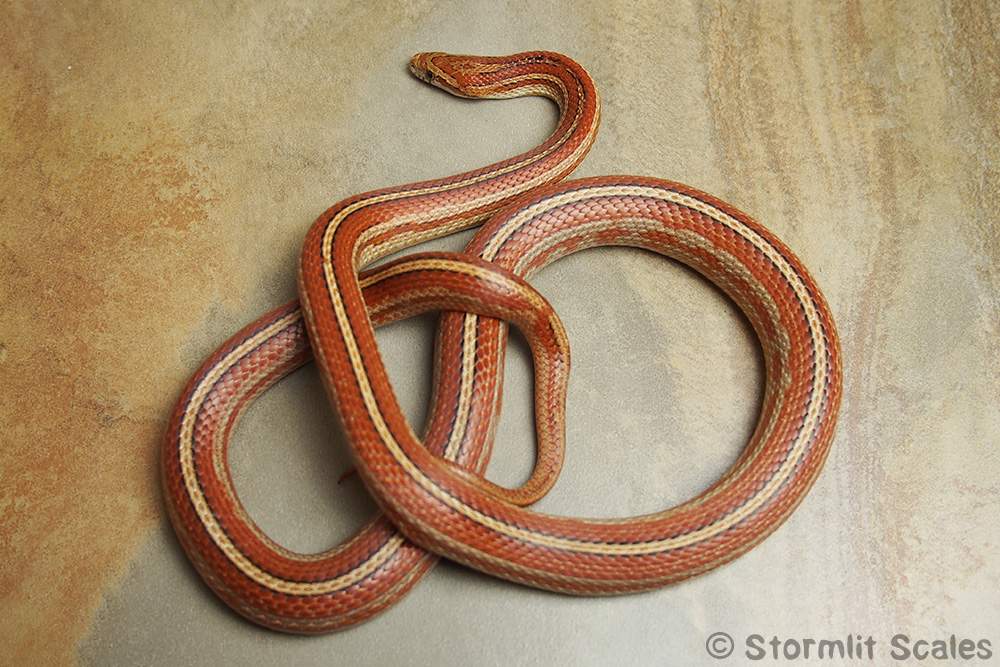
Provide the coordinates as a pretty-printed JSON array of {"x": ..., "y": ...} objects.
[
  {"x": 528, "y": 574},
  {"x": 535, "y": 89},
  {"x": 654, "y": 546},
  {"x": 207, "y": 518},
  {"x": 408, "y": 239},
  {"x": 572, "y": 584},
  {"x": 324, "y": 623},
  {"x": 465, "y": 390},
  {"x": 518, "y": 79},
  {"x": 456, "y": 266}
]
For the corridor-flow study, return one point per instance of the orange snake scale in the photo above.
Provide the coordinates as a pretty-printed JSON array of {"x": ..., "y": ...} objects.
[{"x": 431, "y": 490}]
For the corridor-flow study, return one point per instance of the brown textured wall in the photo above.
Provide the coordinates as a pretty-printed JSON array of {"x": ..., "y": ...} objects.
[{"x": 160, "y": 164}]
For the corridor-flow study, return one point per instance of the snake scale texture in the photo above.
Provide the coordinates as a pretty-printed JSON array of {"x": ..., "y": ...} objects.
[{"x": 430, "y": 489}]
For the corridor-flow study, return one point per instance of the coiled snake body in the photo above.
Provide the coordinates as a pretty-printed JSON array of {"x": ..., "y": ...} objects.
[{"x": 431, "y": 490}]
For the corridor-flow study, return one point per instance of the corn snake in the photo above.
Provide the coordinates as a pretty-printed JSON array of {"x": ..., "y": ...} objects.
[{"x": 437, "y": 505}]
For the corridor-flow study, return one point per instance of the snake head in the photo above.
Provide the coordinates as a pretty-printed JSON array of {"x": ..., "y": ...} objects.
[{"x": 464, "y": 76}]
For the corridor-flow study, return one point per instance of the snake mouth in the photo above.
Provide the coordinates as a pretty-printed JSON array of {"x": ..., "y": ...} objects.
[
  {"x": 419, "y": 68},
  {"x": 423, "y": 75}
]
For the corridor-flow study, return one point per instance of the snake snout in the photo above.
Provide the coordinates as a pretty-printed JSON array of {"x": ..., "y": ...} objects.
[{"x": 420, "y": 67}]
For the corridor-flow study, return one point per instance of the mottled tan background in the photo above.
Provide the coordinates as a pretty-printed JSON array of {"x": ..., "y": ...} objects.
[{"x": 161, "y": 162}]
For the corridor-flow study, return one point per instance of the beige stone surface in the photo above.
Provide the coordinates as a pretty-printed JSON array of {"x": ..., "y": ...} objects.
[{"x": 162, "y": 161}]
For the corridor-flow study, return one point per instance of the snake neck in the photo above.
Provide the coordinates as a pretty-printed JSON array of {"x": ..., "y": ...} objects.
[{"x": 375, "y": 224}]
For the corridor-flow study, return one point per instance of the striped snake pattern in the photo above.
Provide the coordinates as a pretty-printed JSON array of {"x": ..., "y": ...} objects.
[{"x": 430, "y": 489}]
